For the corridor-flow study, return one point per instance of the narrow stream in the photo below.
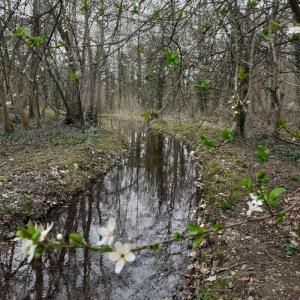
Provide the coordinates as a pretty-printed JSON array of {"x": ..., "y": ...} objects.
[{"x": 151, "y": 195}]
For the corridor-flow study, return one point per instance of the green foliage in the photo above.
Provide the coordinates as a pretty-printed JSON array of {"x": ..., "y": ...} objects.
[
  {"x": 74, "y": 76},
  {"x": 290, "y": 249},
  {"x": 135, "y": 10},
  {"x": 264, "y": 33},
  {"x": 194, "y": 229},
  {"x": 252, "y": 4},
  {"x": 282, "y": 123},
  {"x": 154, "y": 247},
  {"x": 262, "y": 177},
  {"x": 197, "y": 241},
  {"x": 216, "y": 227},
  {"x": 20, "y": 32},
  {"x": 280, "y": 217},
  {"x": 274, "y": 26},
  {"x": 247, "y": 183},
  {"x": 171, "y": 57},
  {"x": 84, "y": 5},
  {"x": 242, "y": 74},
  {"x": 36, "y": 41},
  {"x": 206, "y": 26},
  {"x": 205, "y": 141},
  {"x": 227, "y": 134},
  {"x": 146, "y": 114},
  {"x": 203, "y": 85},
  {"x": 156, "y": 14},
  {"x": 223, "y": 11},
  {"x": 177, "y": 236},
  {"x": 76, "y": 239},
  {"x": 262, "y": 153},
  {"x": 271, "y": 197}
]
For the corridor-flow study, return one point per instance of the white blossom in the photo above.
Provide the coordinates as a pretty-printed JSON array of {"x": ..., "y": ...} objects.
[
  {"x": 28, "y": 249},
  {"x": 254, "y": 205},
  {"x": 293, "y": 30},
  {"x": 121, "y": 255},
  {"x": 107, "y": 237},
  {"x": 45, "y": 232}
]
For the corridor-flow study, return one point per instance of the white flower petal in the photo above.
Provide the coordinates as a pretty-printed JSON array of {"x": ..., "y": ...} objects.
[
  {"x": 111, "y": 224},
  {"x": 114, "y": 256},
  {"x": 126, "y": 249},
  {"x": 130, "y": 257},
  {"x": 103, "y": 231},
  {"x": 119, "y": 247},
  {"x": 110, "y": 240},
  {"x": 119, "y": 265},
  {"x": 104, "y": 241}
]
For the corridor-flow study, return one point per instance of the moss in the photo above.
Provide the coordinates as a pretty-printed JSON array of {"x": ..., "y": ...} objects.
[{"x": 213, "y": 290}]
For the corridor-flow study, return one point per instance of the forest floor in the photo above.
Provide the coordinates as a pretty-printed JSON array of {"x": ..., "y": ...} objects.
[
  {"x": 254, "y": 261},
  {"x": 42, "y": 169}
]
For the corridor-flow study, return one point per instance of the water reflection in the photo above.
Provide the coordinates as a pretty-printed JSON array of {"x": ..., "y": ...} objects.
[{"x": 151, "y": 194}]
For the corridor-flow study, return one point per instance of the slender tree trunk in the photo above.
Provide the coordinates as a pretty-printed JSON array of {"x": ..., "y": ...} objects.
[{"x": 7, "y": 126}]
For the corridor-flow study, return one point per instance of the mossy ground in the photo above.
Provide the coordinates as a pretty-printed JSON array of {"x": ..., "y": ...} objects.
[
  {"x": 42, "y": 169},
  {"x": 249, "y": 258}
]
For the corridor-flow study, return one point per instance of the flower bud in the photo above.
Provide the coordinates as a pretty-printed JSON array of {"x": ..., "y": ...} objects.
[{"x": 59, "y": 237}]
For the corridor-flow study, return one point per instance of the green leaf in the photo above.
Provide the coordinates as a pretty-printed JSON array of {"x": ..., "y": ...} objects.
[
  {"x": 227, "y": 134},
  {"x": 171, "y": 58},
  {"x": 247, "y": 183},
  {"x": 280, "y": 217},
  {"x": 146, "y": 114},
  {"x": 206, "y": 26},
  {"x": 197, "y": 241},
  {"x": 276, "y": 192},
  {"x": 156, "y": 14},
  {"x": 106, "y": 248},
  {"x": 177, "y": 236},
  {"x": 242, "y": 74},
  {"x": 216, "y": 227},
  {"x": 35, "y": 40},
  {"x": 194, "y": 228},
  {"x": 290, "y": 249},
  {"x": 73, "y": 76},
  {"x": 76, "y": 239},
  {"x": 203, "y": 85},
  {"x": 262, "y": 177},
  {"x": 262, "y": 153},
  {"x": 224, "y": 11},
  {"x": 264, "y": 33},
  {"x": 154, "y": 247},
  {"x": 275, "y": 26},
  {"x": 84, "y": 5},
  {"x": 282, "y": 123},
  {"x": 20, "y": 32},
  {"x": 205, "y": 141},
  {"x": 252, "y": 4}
]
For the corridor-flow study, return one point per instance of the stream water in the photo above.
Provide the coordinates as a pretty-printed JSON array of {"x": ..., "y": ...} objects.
[{"x": 151, "y": 195}]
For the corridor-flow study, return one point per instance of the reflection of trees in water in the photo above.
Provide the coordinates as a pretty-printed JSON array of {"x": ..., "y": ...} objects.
[{"x": 153, "y": 188}]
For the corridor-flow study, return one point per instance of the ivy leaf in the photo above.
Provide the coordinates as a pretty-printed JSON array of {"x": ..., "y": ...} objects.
[
  {"x": 282, "y": 123},
  {"x": 264, "y": 33},
  {"x": 224, "y": 11},
  {"x": 280, "y": 217},
  {"x": 242, "y": 74},
  {"x": 252, "y": 4},
  {"x": 156, "y": 14},
  {"x": 290, "y": 249}
]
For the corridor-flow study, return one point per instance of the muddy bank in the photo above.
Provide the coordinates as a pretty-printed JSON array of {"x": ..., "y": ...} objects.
[
  {"x": 43, "y": 169},
  {"x": 241, "y": 262}
]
